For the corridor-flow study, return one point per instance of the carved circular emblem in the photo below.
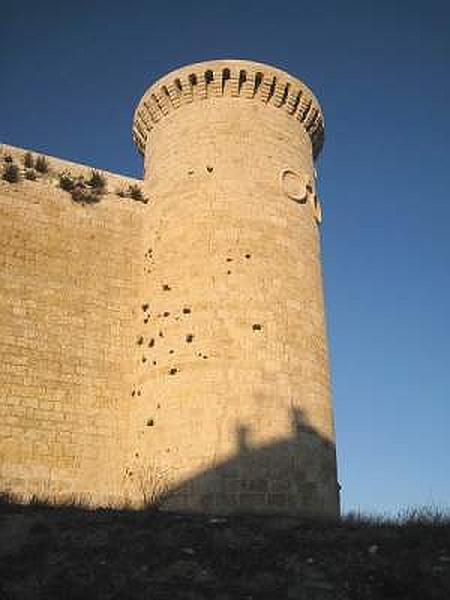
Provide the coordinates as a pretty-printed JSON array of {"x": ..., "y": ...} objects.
[{"x": 294, "y": 185}]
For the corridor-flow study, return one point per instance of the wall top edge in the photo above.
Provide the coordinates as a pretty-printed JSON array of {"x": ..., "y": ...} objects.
[{"x": 60, "y": 165}]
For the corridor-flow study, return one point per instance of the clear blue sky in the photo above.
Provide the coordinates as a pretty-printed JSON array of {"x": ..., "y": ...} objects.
[{"x": 72, "y": 72}]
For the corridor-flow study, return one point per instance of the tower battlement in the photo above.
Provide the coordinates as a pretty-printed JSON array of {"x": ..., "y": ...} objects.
[{"x": 231, "y": 79}]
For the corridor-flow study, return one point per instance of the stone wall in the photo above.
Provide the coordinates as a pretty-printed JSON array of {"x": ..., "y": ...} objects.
[
  {"x": 175, "y": 351},
  {"x": 67, "y": 275}
]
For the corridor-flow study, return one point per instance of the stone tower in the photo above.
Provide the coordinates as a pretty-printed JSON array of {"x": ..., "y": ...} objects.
[{"x": 231, "y": 384}]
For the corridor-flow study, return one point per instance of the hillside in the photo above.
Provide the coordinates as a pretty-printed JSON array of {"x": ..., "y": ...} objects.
[{"x": 50, "y": 553}]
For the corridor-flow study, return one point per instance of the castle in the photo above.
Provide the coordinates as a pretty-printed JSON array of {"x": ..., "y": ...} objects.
[{"x": 163, "y": 341}]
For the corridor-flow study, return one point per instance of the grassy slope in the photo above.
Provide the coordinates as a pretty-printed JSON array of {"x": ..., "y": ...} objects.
[{"x": 48, "y": 553}]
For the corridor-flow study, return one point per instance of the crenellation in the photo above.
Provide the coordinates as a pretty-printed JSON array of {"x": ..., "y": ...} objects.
[
  {"x": 201, "y": 87},
  {"x": 232, "y": 87},
  {"x": 275, "y": 89},
  {"x": 280, "y": 94},
  {"x": 265, "y": 90},
  {"x": 163, "y": 101},
  {"x": 186, "y": 89},
  {"x": 248, "y": 86},
  {"x": 303, "y": 108},
  {"x": 174, "y": 94}
]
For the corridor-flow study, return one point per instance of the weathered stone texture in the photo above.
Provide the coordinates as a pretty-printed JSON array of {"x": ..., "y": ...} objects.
[
  {"x": 241, "y": 411},
  {"x": 66, "y": 284},
  {"x": 179, "y": 345}
]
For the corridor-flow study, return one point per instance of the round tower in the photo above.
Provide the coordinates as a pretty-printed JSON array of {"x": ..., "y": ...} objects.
[{"x": 231, "y": 404}]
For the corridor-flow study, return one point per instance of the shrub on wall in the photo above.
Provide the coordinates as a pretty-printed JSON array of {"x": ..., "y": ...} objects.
[
  {"x": 97, "y": 181},
  {"x": 28, "y": 160},
  {"x": 30, "y": 174},
  {"x": 66, "y": 182},
  {"x": 83, "y": 192},
  {"x": 134, "y": 192},
  {"x": 11, "y": 173},
  {"x": 41, "y": 164},
  {"x": 84, "y": 195}
]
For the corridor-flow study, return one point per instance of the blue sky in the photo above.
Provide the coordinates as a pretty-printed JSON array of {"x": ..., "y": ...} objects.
[{"x": 72, "y": 73}]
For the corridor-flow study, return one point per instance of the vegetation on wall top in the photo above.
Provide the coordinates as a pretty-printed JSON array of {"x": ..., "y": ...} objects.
[
  {"x": 82, "y": 190},
  {"x": 134, "y": 192},
  {"x": 11, "y": 172}
]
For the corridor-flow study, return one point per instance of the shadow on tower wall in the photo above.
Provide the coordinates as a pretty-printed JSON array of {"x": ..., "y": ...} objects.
[{"x": 294, "y": 476}]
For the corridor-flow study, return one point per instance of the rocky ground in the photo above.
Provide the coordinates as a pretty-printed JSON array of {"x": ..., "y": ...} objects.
[{"x": 69, "y": 553}]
